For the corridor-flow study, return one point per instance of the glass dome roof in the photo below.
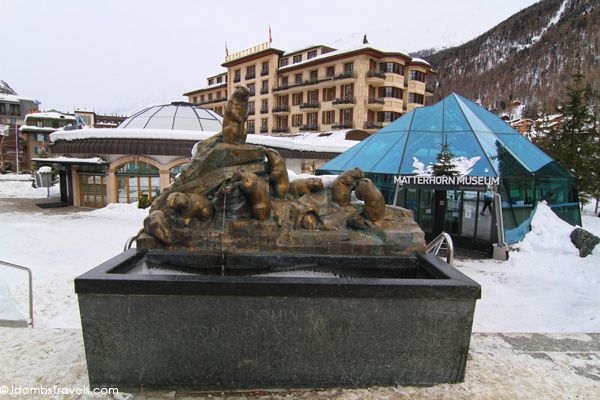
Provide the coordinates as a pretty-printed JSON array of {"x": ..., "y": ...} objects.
[{"x": 175, "y": 116}]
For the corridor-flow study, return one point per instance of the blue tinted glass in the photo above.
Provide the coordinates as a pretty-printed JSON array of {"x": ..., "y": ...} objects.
[
  {"x": 401, "y": 124},
  {"x": 428, "y": 118},
  {"x": 468, "y": 154},
  {"x": 489, "y": 143},
  {"x": 421, "y": 151},
  {"x": 338, "y": 163},
  {"x": 473, "y": 120},
  {"x": 390, "y": 162},
  {"x": 372, "y": 152},
  {"x": 528, "y": 153},
  {"x": 454, "y": 120},
  {"x": 494, "y": 123}
]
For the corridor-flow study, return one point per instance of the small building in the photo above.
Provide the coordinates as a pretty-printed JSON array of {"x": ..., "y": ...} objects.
[
  {"x": 93, "y": 120},
  {"x": 38, "y": 127},
  {"x": 488, "y": 153},
  {"x": 146, "y": 152}
]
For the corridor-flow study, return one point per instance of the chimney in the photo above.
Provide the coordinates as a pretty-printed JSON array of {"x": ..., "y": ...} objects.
[{"x": 365, "y": 41}]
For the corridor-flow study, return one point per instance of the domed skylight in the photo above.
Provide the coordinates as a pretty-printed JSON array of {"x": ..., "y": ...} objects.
[{"x": 175, "y": 116}]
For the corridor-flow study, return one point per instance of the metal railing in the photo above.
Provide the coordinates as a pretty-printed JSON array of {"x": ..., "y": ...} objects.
[
  {"x": 437, "y": 244},
  {"x": 129, "y": 243},
  {"x": 19, "y": 267}
]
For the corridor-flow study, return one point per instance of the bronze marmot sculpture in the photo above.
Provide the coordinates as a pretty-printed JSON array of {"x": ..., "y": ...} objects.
[
  {"x": 374, "y": 202},
  {"x": 344, "y": 184},
  {"x": 157, "y": 225},
  {"x": 278, "y": 175},
  {"x": 234, "y": 118},
  {"x": 190, "y": 205},
  {"x": 300, "y": 187},
  {"x": 257, "y": 191}
]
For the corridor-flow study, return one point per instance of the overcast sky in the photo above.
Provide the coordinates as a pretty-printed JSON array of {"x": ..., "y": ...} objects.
[{"x": 116, "y": 56}]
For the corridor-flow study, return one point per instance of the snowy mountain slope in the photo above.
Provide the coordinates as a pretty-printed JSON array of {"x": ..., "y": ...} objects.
[{"x": 530, "y": 56}]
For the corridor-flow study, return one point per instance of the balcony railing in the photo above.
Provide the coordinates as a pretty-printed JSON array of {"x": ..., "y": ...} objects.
[
  {"x": 345, "y": 100},
  {"x": 250, "y": 130},
  {"x": 311, "y": 104},
  {"x": 373, "y": 125},
  {"x": 310, "y": 128},
  {"x": 282, "y": 108},
  {"x": 251, "y": 112},
  {"x": 236, "y": 79},
  {"x": 264, "y": 110},
  {"x": 220, "y": 99},
  {"x": 250, "y": 76},
  {"x": 280, "y": 129},
  {"x": 376, "y": 100},
  {"x": 251, "y": 92},
  {"x": 345, "y": 75},
  {"x": 342, "y": 125},
  {"x": 264, "y": 129},
  {"x": 264, "y": 72},
  {"x": 376, "y": 74},
  {"x": 281, "y": 87},
  {"x": 264, "y": 91}
]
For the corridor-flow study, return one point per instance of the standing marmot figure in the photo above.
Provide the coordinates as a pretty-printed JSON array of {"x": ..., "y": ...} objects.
[
  {"x": 344, "y": 184},
  {"x": 257, "y": 192},
  {"x": 300, "y": 187},
  {"x": 234, "y": 118},
  {"x": 278, "y": 174},
  {"x": 374, "y": 202},
  {"x": 190, "y": 205}
]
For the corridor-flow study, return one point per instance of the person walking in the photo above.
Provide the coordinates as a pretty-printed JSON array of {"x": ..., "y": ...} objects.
[{"x": 487, "y": 201}]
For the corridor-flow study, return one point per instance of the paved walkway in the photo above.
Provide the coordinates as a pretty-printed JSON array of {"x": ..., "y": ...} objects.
[{"x": 500, "y": 366}]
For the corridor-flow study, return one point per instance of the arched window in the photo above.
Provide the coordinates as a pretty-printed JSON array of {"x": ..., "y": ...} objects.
[{"x": 136, "y": 178}]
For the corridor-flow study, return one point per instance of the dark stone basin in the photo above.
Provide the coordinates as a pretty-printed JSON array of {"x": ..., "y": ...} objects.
[{"x": 155, "y": 319}]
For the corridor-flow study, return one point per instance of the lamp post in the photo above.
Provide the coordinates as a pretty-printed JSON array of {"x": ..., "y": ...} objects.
[{"x": 14, "y": 121}]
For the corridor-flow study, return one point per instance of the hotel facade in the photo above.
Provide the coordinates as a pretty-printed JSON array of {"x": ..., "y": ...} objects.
[{"x": 319, "y": 88}]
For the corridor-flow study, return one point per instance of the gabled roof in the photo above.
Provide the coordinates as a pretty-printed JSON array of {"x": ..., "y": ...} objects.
[{"x": 481, "y": 142}]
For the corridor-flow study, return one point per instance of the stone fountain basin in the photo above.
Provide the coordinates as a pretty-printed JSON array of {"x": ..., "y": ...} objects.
[{"x": 155, "y": 319}]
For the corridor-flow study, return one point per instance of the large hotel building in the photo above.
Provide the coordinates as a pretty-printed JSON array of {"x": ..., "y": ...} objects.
[{"x": 319, "y": 88}]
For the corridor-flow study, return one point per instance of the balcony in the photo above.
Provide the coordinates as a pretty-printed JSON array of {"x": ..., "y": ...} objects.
[
  {"x": 311, "y": 104},
  {"x": 373, "y": 125},
  {"x": 264, "y": 110},
  {"x": 310, "y": 128},
  {"x": 264, "y": 129},
  {"x": 251, "y": 112},
  {"x": 281, "y": 109},
  {"x": 280, "y": 88},
  {"x": 250, "y": 76},
  {"x": 218, "y": 100},
  {"x": 343, "y": 125},
  {"x": 345, "y": 75},
  {"x": 345, "y": 100},
  {"x": 376, "y": 100},
  {"x": 264, "y": 91},
  {"x": 280, "y": 129},
  {"x": 264, "y": 72},
  {"x": 376, "y": 74}
]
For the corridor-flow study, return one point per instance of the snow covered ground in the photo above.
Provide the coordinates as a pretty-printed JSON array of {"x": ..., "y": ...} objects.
[{"x": 544, "y": 287}]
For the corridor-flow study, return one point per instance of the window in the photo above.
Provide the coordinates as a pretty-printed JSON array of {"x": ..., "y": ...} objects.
[
  {"x": 2, "y": 109},
  {"x": 297, "y": 120},
  {"x": 387, "y": 116},
  {"x": 218, "y": 96},
  {"x": 283, "y": 62},
  {"x": 297, "y": 99},
  {"x": 251, "y": 108},
  {"x": 264, "y": 86},
  {"x": 264, "y": 122},
  {"x": 39, "y": 137},
  {"x": 348, "y": 68},
  {"x": 265, "y": 68},
  {"x": 135, "y": 178},
  {"x": 15, "y": 109},
  {"x": 219, "y": 79},
  {"x": 250, "y": 126},
  {"x": 311, "y": 120},
  {"x": 250, "y": 72},
  {"x": 390, "y": 92},
  {"x": 202, "y": 98},
  {"x": 264, "y": 106},
  {"x": 211, "y": 81},
  {"x": 40, "y": 124},
  {"x": 284, "y": 81},
  {"x": 298, "y": 78},
  {"x": 237, "y": 75},
  {"x": 297, "y": 58},
  {"x": 282, "y": 100},
  {"x": 392, "y": 67},
  {"x": 314, "y": 75},
  {"x": 55, "y": 124},
  {"x": 347, "y": 91},
  {"x": 313, "y": 96},
  {"x": 329, "y": 94},
  {"x": 330, "y": 72},
  {"x": 218, "y": 110},
  {"x": 312, "y": 54},
  {"x": 210, "y": 97},
  {"x": 194, "y": 99},
  {"x": 92, "y": 190},
  {"x": 417, "y": 75},
  {"x": 346, "y": 116},
  {"x": 327, "y": 117},
  {"x": 416, "y": 98},
  {"x": 252, "y": 89}
]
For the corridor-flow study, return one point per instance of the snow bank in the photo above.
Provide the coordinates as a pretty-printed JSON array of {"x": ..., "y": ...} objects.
[
  {"x": 23, "y": 189},
  {"x": 327, "y": 179},
  {"x": 118, "y": 210}
]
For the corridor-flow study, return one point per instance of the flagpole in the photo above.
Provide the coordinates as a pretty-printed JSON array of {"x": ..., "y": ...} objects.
[{"x": 17, "y": 148}]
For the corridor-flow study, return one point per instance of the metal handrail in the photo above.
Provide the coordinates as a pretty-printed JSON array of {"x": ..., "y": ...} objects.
[
  {"x": 436, "y": 244},
  {"x": 7, "y": 264},
  {"x": 129, "y": 242}
]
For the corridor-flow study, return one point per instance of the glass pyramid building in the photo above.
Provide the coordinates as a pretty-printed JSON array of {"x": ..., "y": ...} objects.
[{"x": 482, "y": 144}]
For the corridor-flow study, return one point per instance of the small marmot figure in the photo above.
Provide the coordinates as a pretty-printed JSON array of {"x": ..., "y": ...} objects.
[
  {"x": 374, "y": 202},
  {"x": 278, "y": 175},
  {"x": 300, "y": 187},
  {"x": 190, "y": 205},
  {"x": 344, "y": 185},
  {"x": 234, "y": 118},
  {"x": 257, "y": 192}
]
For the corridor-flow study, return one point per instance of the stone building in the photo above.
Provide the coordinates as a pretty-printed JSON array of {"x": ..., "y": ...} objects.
[
  {"x": 37, "y": 129},
  {"x": 319, "y": 88}
]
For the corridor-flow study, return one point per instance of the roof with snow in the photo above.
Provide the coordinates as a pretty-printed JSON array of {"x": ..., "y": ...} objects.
[
  {"x": 481, "y": 143},
  {"x": 175, "y": 116}
]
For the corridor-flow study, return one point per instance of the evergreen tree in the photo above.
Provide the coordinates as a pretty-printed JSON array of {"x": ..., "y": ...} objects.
[{"x": 445, "y": 165}]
